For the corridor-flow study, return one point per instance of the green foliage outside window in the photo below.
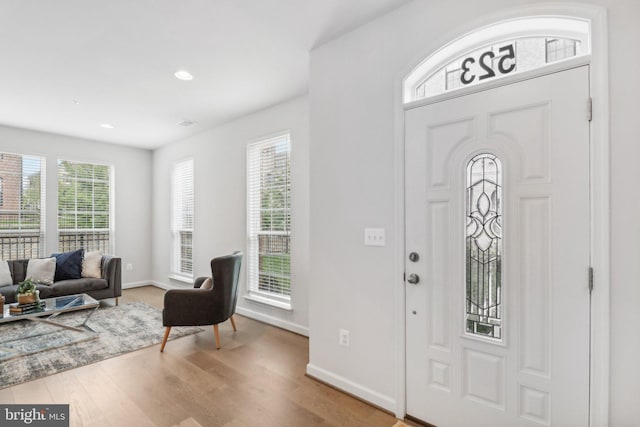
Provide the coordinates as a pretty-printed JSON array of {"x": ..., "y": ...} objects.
[
  {"x": 275, "y": 221},
  {"x": 83, "y": 196}
]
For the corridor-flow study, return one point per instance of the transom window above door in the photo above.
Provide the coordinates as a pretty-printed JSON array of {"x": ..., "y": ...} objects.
[{"x": 496, "y": 51}]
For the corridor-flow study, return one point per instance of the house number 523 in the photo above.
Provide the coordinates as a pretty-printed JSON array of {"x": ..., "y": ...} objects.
[{"x": 485, "y": 61}]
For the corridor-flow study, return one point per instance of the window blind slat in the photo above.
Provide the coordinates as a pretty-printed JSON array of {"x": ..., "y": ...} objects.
[
  {"x": 269, "y": 216},
  {"x": 182, "y": 218},
  {"x": 22, "y": 194},
  {"x": 84, "y": 207}
]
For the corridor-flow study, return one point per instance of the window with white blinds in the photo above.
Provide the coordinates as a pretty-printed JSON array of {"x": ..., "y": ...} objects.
[
  {"x": 182, "y": 220},
  {"x": 22, "y": 206},
  {"x": 85, "y": 207},
  {"x": 269, "y": 218}
]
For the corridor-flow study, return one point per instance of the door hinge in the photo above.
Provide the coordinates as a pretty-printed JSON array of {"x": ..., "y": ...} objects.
[
  {"x": 590, "y": 279},
  {"x": 404, "y": 277},
  {"x": 590, "y": 109}
]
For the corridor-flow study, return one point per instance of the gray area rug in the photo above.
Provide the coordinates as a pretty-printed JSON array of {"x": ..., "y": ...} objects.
[
  {"x": 24, "y": 338},
  {"x": 30, "y": 350}
]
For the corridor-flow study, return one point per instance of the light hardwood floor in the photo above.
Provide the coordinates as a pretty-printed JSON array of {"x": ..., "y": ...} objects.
[{"x": 257, "y": 378}]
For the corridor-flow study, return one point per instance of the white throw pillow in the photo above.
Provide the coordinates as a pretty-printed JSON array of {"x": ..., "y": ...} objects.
[
  {"x": 207, "y": 284},
  {"x": 5, "y": 274},
  {"x": 92, "y": 265},
  {"x": 42, "y": 270}
]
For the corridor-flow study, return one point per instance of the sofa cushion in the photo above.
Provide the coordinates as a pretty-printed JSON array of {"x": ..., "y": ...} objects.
[
  {"x": 5, "y": 274},
  {"x": 92, "y": 265},
  {"x": 68, "y": 265},
  {"x": 78, "y": 286},
  {"x": 42, "y": 270},
  {"x": 18, "y": 269}
]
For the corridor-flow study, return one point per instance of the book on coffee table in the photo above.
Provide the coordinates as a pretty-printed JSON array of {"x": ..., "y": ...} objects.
[{"x": 26, "y": 308}]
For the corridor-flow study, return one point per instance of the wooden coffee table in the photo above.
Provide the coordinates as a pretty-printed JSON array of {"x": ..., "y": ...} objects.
[{"x": 53, "y": 308}]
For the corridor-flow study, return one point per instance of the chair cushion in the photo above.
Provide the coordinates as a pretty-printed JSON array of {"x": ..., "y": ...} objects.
[
  {"x": 41, "y": 270},
  {"x": 68, "y": 265},
  {"x": 207, "y": 284}
]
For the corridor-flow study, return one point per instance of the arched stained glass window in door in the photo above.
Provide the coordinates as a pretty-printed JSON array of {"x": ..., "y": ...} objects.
[{"x": 484, "y": 246}]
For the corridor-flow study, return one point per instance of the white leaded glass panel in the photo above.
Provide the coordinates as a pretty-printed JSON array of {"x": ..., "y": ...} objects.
[{"x": 484, "y": 246}]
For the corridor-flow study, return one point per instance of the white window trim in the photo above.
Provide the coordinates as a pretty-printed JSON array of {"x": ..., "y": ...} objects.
[
  {"x": 253, "y": 294},
  {"x": 268, "y": 299},
  {"x": 181, "y": 278}
]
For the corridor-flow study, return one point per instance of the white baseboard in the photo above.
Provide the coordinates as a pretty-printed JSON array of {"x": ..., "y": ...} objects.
[
  {"x": 165, "y": 286},
  {"x": 289, "y": 326},
  {"x": 348, "y": 386},
  {"x": 157, "y": 284},
  {"x": 131, "y": 285}
]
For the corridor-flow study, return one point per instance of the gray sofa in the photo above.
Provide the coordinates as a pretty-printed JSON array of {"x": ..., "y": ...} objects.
[{"x": 109, "y": 286}]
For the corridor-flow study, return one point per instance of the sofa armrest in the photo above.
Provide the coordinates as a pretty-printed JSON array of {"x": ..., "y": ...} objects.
[{"x": 112, "y": 273}]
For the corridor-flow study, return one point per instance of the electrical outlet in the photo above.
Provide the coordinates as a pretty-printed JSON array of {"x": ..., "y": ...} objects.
[
  {"x": 343, "y": 337},
  {"x": 129, "y": 267},
  {"x": 374, "y": 237}
]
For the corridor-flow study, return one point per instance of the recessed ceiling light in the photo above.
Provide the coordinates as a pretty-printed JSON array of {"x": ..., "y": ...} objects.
[
  {"x": 106, "y": 126},
  {"x": 183, "y": 75},
  {"x": 187, "y": 123}
]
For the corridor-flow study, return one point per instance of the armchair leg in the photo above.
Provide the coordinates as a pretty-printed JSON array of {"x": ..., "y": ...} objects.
[
  {"x": 116, "y": 301},
  {"x": 164, "y": 340},
  {"x": 215, "y": 331},
  {"x": 233, "y": 323}
]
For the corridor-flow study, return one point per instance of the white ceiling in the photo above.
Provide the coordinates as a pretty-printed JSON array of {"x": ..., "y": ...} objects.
[{"x": 116, "y": 59}]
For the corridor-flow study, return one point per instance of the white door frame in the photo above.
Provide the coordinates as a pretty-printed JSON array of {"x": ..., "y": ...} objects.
[{"x": 600, "y": 191}]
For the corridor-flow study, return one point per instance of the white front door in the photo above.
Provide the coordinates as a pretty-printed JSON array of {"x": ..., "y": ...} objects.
[{"x": 497, "y": 217}]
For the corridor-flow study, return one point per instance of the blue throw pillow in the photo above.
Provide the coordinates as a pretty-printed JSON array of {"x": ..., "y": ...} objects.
[{"x": 68, "y": 265}]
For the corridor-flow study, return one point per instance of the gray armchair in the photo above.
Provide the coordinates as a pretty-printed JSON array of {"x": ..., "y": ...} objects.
[{"x": 197, "y": 307}]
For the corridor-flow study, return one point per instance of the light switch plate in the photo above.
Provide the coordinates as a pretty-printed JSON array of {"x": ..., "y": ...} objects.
[{"x": 374, "y": 237}]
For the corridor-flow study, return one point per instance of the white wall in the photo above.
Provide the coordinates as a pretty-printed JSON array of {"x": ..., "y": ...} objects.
[
  {"x": 132, "y": 185},
  {"x": 353, "y": 98},
  {"x": 220, "y": 203},
  {"x": 624, "y": 33}
]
